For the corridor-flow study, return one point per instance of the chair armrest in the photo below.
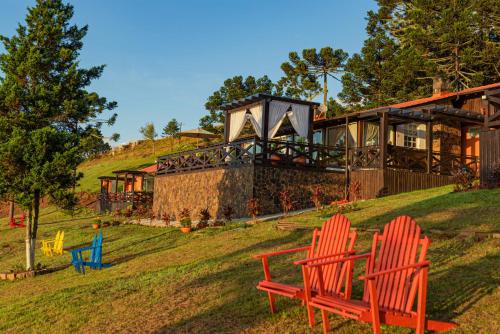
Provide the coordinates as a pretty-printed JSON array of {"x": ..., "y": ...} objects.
[
  {"x": 345, "y": 259},
  {"x": 285, "y": 251},
  {"x": 312, "y": 259},
  {"x": 384, "y": 272}
]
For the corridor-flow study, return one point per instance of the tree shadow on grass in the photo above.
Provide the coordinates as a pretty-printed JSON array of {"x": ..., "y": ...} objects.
[{"x": 243, "y": 305}]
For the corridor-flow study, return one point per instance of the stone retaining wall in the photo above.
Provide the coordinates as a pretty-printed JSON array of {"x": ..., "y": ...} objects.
[{"x": 219, "y": 187}]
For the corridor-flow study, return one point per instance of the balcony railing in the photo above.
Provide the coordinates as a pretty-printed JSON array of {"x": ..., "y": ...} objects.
[
  {"x": 283, "y": 153},
  {"x": 254, "y": 151}
]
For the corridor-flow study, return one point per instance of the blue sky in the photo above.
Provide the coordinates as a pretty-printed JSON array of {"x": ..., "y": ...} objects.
[{"x": 164, "y": 58}]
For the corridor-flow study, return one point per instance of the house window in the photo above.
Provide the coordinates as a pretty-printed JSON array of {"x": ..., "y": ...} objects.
[{"x": 410, "y": 135}]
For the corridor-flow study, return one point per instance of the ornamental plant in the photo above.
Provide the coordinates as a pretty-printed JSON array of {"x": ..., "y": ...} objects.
[
  {"x": 317, "y": 195},
  {"x": 253, "y": 207},
  {"x": 185, "y": 218},
  {"x": 203, "y": 216},
  {"x": 286, "y": 201}
]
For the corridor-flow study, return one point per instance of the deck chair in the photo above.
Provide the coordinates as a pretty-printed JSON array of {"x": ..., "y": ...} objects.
[
  {"x": 334, "y": 240},
  {"x": 55, "y": 246},
  {"x": 95, "y": 257},
  {"x": 396, "y": 270},
  {"x": 14, "y": 224}
]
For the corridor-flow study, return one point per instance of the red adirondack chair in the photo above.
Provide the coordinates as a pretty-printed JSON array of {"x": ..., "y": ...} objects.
[
  {"x": 335, "y": 241},
  {"x": 395, "y": 272},
  {"x": 13, "y": 224}
]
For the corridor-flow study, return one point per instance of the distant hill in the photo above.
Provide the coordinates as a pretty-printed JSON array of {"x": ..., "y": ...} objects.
[{"x": 131, "y": 156}]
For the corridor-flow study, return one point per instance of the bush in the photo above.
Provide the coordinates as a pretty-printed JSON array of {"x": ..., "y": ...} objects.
[
  {"x": 227, "y": 212},
  {"x": 463, "y": 179},
  {"x": 167, "y": 218},
  {"x": 286, "y": 201},
  {"x": 204, "y": 217},
  {"x": 355, "y": 191},
  {"x": 253, "y": 207},
  {"x": 317, "y": 195}
]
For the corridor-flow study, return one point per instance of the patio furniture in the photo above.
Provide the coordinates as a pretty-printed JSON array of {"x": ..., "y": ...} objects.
[
  {"x": 333, "y": 241},
  {"x": 95, "y": 257},
  {"x": 54, "y": 246},
  {"x": 14, "y": 224},
  {"x": 395, "y": 271}
]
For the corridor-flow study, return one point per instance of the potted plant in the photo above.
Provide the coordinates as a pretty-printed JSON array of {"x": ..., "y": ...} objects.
[
  {"x": 185, "y": 220},
  {"x": 96, "y": 224}
]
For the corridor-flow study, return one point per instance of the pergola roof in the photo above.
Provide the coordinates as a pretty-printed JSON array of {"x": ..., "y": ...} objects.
[{"x": 259, "y": 97}]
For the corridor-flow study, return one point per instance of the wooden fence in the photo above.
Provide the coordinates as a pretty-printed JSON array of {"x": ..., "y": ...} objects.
[{"x": 490, "y": 157}]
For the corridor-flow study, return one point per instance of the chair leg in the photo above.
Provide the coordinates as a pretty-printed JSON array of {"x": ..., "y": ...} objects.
[
  {"x": 422, "y": 297},
  {"x": 310, "y": 315},
  {"x": 272, "y": 302},
  {"x": 326, "y": 322},
  {"x": 374, "y": 307}
]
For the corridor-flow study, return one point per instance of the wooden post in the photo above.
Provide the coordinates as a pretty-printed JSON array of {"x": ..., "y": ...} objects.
[
  {"x": 227, "y": 122},
  {"x": 383, "y": 140},
  {"x": 394, "y": 135},
  {"x": 310, "y": 135},
  {"x": 485, "y": 110},
  {"x": 116, "y": 184},
  {"x": 346, "y": 172},
  {"x": 428, "y": 142},
  {"x": 265, "y": 131}
]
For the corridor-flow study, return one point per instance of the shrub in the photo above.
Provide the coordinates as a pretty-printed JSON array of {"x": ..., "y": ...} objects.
[
  {"x": 117, "y": 213},
  {"x": 463, "y": 179},
  {"x": 355, "y": 191},
  {"x": 495, "y": 174},
  {"x": 185, "y": 217},
  {"x": 253, "y": 207},
  {"x": 228, "y": 212},
  {"x": 204, "y": 217},
  {"x": 286, "y": 201},
  {"x": 317, "y": 195},
  {"x": 167, "y": 218},
  {"x": 128, "y": 212}
]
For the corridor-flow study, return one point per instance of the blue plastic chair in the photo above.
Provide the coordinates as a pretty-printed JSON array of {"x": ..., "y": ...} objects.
[{"x": 95, "y": 258}]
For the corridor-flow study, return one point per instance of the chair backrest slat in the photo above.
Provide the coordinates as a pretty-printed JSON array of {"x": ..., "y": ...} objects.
[
  {"x": 335, "y": 237},
  {"x": 397, "y": 246}
]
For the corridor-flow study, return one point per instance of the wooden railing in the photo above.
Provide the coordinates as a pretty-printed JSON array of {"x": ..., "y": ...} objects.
[
  {"x": 364, "y": 157},
  {"x": 253, "y": 151}
]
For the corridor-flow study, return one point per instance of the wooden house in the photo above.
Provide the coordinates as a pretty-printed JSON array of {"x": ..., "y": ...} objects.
[{"x": 402, "y": 147}]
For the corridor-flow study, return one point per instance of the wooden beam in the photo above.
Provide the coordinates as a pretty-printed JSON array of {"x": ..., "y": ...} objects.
[
  {"x": 492, "y": 92},
  {"x": 227, "y": 122},
  {"x": 494, "y": 99},
  {"x": 429, "y": 144},
  {"x": 383, "y": 140}
]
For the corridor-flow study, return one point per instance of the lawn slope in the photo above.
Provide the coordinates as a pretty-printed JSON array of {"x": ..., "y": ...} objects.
[{"x": 163, "y": 281}]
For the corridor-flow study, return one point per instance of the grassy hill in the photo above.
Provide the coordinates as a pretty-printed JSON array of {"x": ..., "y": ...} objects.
[
  {"x": 163, "y": 281},
  {"x": 136, "y": 157}
]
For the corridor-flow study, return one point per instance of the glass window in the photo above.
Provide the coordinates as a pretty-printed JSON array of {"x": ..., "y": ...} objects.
[{"x": 410, "y": 135}]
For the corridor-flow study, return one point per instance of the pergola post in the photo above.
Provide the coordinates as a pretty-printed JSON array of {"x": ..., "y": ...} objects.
[
  {"x": 383, "y": 140},
  {"x": 346, "y": 172},
  {"x": 227, "y": 122},
  {"x": 265, "y": 130},
  {"x": 310, "y": 133},
  {"x": 428, "y": 142}
]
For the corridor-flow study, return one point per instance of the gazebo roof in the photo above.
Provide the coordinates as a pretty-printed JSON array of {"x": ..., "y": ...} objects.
[{"x": 259, "y": 97}]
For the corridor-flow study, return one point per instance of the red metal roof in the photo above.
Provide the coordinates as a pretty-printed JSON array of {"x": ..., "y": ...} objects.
[
  {"x": 443, "y": 96},
  {"x": 150, "y": 169}
]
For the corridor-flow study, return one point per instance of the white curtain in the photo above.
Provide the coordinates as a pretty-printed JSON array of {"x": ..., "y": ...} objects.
[
  {"x": 256, "y": 118},
  {"x": 277, "y": 113},
  {"x": 237, "y": 121},
  {"x": 299, "y": 117}
]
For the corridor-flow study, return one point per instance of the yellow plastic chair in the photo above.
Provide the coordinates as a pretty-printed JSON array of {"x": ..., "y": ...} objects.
[{"x": 53, "y": 247}]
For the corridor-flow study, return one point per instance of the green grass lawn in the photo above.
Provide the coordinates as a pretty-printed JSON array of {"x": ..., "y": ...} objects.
[{"x": 165, "y": 282}]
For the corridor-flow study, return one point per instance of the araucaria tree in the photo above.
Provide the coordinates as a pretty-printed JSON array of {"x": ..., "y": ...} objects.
[
  {"x": 302, "y": 75},
  {"x": 172, "y": 128},
  {"x": 149, "y": 133},
  {"x": 45, "y": 112}
]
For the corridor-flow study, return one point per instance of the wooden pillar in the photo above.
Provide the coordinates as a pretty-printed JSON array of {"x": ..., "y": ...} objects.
[
  {"x": 346, "y": 172},
  {"x": 360, "y": 127},
  {"x": 429, "y": 144},
  {"x": 383, "y": 140},
  {"x": 485, "y": 110},
  {"x": 310, "y": 135},
  {"x": 116, "y": 184},
  {"x": 265, "y": 129},
  {"x": 227, "y": 122},
  {"x": 394, "y": 135}
]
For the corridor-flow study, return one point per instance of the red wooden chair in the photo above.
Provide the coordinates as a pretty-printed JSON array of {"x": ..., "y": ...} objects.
[
  {"x": 335, "y": 240},
  {"x": 395, "y": 271},
  {"x": 13, "y": 224}
]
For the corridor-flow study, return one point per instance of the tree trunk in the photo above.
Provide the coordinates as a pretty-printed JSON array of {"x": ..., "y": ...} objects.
[
  {"x": 31, "y": 231},
  {"x": 325, "y": 89},
  {"x": 30, "y": 252},
  {"x": 11, "y": 211}
]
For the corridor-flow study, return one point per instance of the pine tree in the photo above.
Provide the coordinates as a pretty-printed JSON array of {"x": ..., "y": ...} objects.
[
  {"x": 234, "y": 88},
  {"x": 302, "y": 75},
  {"x": 45, "y": 111},
  {"x": 172, "y": 128},
  {"x": 459, "y": 38}
]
